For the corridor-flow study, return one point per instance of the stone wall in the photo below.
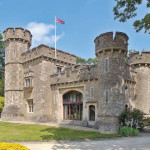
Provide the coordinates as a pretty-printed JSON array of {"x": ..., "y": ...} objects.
[
  {"x": 17, "y": 41},
  {"x": 75, "y": 73},
  {"x": 41, "y": 93},
  {"x": 140, "y": 63},
  {"x": 111, "y": 53},
  {"x": 125, "y": 82},
  {"x": 43, "y": 50},
  {"x": 107, "y": 41},
  {"x": 137, "y": 58},
  {"x": 84, "y": 87}
]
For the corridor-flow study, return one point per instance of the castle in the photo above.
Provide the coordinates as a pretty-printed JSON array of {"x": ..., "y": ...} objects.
[{"x": 42, "y": 88}]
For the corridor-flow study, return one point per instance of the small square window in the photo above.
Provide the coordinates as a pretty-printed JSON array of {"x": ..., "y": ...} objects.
[{"x": 58, "y": 69}]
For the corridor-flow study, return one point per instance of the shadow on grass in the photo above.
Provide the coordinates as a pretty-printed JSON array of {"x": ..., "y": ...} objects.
[{"x": 69, "y": 134}]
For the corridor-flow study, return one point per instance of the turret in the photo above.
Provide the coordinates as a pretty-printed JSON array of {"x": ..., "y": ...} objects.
[
  {"x": 111, "y": 52},
  {"x": 18, "y": 33},
  {"x": 106, "y": 42},
  {"x": 140, "y": 63},
  {"x": 17, "y": 41}
]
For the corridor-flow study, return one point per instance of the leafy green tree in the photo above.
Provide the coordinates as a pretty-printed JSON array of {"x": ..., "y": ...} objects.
[
  {"x": 90, "y": 61},
  {"x": 2, "y": 65},
  {"x": 80, "y": 60},
  {"x": 131, "y": 51},
  {"x": 127, "y": 9}
]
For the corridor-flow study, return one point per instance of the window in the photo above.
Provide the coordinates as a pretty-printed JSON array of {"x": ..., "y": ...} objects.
[
  {"x": 14, "y": 53},
  {"x": 126, "y": 107},
  {"x": 28, "y": 83},
  {"x": 73, "y": 105},
  {"x": 58, "y": 69},
  {"x": 107, "y": 96},
  {"x": 107, "y": 65},
  {"x": 92, "y": 113},
  {"x": 88, "y": 69},
  {"x": 91, "y": 92},
  {"x": 13, "y": 97},
  {"x": 30, "y": 105}
]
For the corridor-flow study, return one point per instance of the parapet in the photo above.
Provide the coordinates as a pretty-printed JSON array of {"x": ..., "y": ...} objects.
[
  {"x": 44, "y": 50},
  {"x": 136, "y": 58},
  {"x": 107, "y": 41},
  {"x": 17, "y": 33},
  {"x": 75, "y": 73}
]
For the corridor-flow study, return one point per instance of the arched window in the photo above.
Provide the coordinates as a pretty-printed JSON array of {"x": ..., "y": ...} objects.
[
  {"x": 73, "y": 105},
  {"x": 91, "y": 113}
]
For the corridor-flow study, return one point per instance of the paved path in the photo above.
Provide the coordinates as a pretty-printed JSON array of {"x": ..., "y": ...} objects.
[{"x": 129, "y": 143}]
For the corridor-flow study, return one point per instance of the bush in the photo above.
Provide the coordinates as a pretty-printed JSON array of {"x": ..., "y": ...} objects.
[
  {"x": 147, "y": 121},
  {"x": 1, "y": 103},
  {"x": 1, "y": 86},
  {"x": 12, "y": 146},
  {"x": 128, "y": 131},
  {"x": 134, "y": 118}
]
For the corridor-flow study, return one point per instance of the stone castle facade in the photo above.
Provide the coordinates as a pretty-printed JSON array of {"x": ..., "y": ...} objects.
[{"x": 42, "y": 88}]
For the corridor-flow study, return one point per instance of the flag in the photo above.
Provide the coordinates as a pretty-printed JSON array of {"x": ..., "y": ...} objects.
[{"x": 60, "y": 21}]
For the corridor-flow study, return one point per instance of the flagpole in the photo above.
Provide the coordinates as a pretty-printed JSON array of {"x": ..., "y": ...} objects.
[{"x": 55, "y": 39}]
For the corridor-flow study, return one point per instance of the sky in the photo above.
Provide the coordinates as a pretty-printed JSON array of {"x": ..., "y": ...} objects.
[{"x": 84, "y": 21}]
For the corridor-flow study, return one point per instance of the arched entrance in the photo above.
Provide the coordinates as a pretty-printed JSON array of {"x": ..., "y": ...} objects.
[
  {"x": 73, "y": 105},
  {"x": 91, "y": 113}
]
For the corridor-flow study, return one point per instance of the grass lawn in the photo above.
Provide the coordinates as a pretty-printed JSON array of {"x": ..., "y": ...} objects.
[{"x": 20, "y": 132}]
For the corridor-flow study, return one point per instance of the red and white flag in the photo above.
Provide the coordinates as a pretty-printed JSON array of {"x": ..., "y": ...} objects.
[{"x": 60, "y": 21}]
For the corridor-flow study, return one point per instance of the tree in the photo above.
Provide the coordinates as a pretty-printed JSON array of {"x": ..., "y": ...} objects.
[
  {"x": 132, "y": 51},
  {"x": 90, "y": 61},
  {"x": 2, "y": 65},
  {"x": 80, "y": 60},
  {"x": 126, "y": 9}
]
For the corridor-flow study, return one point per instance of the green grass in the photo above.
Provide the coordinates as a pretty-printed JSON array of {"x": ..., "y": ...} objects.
[{"x": 20, "y": 132}]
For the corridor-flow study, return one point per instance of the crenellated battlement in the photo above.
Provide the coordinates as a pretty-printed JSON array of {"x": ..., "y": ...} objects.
[
  {"x": 136, "y": 58},
  {"x": 108, "y": 42},
  {"x": 44, "y": 50},
  {"x": 75, "y": 73},
  {"x": 18, "y": 34}
]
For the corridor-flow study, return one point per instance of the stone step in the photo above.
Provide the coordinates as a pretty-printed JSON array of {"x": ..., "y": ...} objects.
[{"x": 71, "y": 122}]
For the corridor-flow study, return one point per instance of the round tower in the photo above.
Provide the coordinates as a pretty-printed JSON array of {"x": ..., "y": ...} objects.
[
  {"x": 17, "y": 41},
  {"x": 111, "y": 52}
]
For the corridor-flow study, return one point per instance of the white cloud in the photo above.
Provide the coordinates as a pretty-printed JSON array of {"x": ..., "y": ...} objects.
[
  {"x": 41, "y": 33},
  {"x": 52, "y": 38}
]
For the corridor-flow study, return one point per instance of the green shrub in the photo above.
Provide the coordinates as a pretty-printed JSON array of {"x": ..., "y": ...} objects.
[
  {"x": 147, "y": 121},
  {"x": 128, "y": 131},
  {"x": 132, "y": 118},
  {"x": 1, "y": 103}
]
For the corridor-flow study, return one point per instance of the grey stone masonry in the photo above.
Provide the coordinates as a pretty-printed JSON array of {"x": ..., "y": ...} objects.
[{"x": 37, "y": 84}]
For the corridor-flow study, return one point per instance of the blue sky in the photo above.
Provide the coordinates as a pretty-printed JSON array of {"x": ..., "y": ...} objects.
[{"x": 84, "y": 20}]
